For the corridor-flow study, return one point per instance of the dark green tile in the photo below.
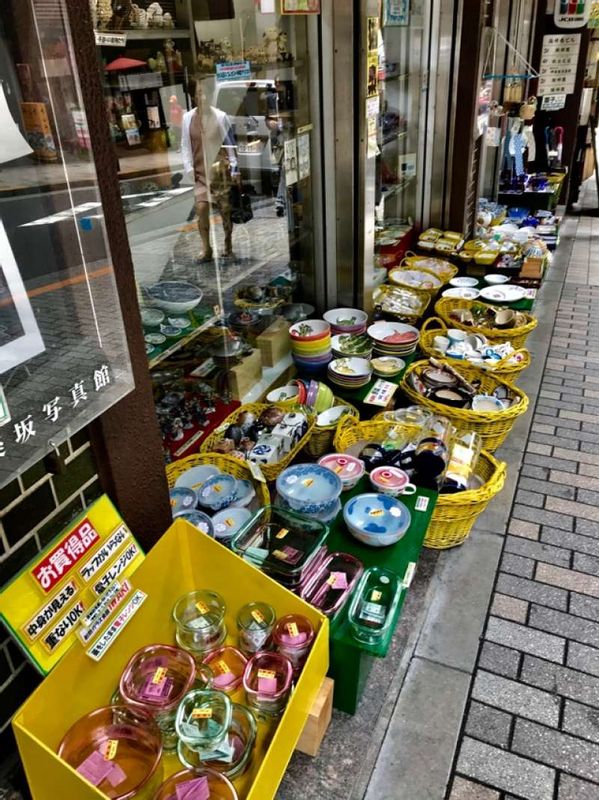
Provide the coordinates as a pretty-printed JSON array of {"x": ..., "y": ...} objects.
[
  {"x": 78, "y": 472},
  {"x": 59, "y": 521},
  {"x": 79, "y": 439},
  {"x": 92, "y": 493},
  {"x": 17, "y": 560},
  {"x": 28, "y": 513},
  {"x": 9, "y": 493},
  {"x": 33, "y": 474},
  {"x": 17, "y": 691}
]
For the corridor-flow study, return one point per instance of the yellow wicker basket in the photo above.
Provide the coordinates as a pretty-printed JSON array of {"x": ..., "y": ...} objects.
[
  {"x": 454, "y": 514},
  {"x": 396, "y": 278},
  {"x": 321, "y": 440},
  {"x": 438, "y": 266},
  {"x": 351, "y": 431},
  {"x": 412, "y": 318},
  {"x": 248, "y": 305},
  {"x": 434, "y": 326},
  {"x": 233, "y": 466},
  {"x": 270, "y": 471},
  {"x": 517, "y": 336},
  {"x": 493, "y": 426}
]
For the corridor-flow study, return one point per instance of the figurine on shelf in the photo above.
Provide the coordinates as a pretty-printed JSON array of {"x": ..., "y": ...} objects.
[
  {"x": 168, "y": 21},
  {"x": 134, "y": 18},
  {"x": 104, "y": 13},
  {"x": 143, "y": 18},
  {"x": 155, "y": 15},
  {"x": 160, "y": 62},
  {"x": 284, "y": 54},
  {"x": 121, "y": 14},
  {"x": 177, "y": 430},
  {"x": 226, "y": 49},
  {"x": 170, "y": 54},
  {"x": 271, "y": 44}
]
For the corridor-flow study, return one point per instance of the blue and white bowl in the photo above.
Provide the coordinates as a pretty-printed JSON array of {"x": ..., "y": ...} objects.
[
  {"x": 182, "y": 499},
  {"x": 196, "y": 477},
  {"x": 309, "y": 488},
  {"x": 200, "y": 520},
  {"x": 376, "y": 519},
  {"x": 244, "y": 493},
  {"x": 229, "y": 522},
  {"x": 218, "y": 492}
]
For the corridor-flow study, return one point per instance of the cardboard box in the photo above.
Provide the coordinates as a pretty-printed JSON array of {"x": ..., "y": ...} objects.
[
  {"x": 181, "y": 561},
  {"x": 274, "y": 342},
  {"x": 533, "y": 267},
  {"x": 243, "y": 377}
]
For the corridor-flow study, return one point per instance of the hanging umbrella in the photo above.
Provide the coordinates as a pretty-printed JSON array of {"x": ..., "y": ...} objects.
[{"x": 124, "y": 63}]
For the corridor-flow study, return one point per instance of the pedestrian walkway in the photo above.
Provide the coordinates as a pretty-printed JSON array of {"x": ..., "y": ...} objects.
[{"x": 531, "y": 729}]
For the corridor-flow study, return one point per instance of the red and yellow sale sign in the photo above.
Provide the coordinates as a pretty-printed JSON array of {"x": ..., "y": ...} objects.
[{"x": 46, "y": 607}]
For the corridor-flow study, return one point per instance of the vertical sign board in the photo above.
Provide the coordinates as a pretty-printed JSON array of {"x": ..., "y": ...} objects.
[
  {"x": 559, "y": 63},
  {"x": 46, "y": 606}
]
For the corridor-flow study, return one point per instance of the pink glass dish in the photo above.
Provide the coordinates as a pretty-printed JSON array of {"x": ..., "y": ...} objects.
[
  {"x": 267, "y": 682},
  {"x": 218, "y": 787},
  {"x": 227, "y": 665},
  {"x": 293, "y": 637},
  {"x": 135, "y": 769},
  {"x": 330, "y": 588}
]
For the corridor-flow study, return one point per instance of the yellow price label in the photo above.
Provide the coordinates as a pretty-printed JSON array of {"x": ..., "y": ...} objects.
[
  {"x": 292, "y": 629},
  {"x": 267, "y": 673},
  {"x": 159, "y": 675},
  {"x": 258, "y": 616},
  {"x": 280, "y": 555},
  {"x": 202, "y": 607},
  {"x": 221, "y": 667},
  {"x": 376, "y": 512},
  {"x": 308, "y": 481},
  {"x": 282, "y": 533},
  {"x": 111, "y": 748},
  {"x": 201, "y": 713},
  {"x": 376, "y": 595}
]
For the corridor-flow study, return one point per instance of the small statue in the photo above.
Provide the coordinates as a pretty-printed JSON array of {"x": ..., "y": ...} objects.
[
  {"x": 160, "y": 62},
  {"x": 104, "y": 13},
  {"x": 168, "y": 21},
  {"x": 271, "y": 44},
  {"x": 169, "y": 53},
  {"x": 226, "y": 49},
  {"x": 134, "y": 18},
  {"x": 284, "y": 54},
  {"x": 155, "y": 15},
  {"x": 143, "y": 18},
  {"x": 177, "y": 430}
]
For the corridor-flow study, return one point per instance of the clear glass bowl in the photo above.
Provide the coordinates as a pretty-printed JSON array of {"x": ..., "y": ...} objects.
[
  {"x": 332, "y": 585},
  {"x": 200, "y": 622},
  {"x": 373, "y": 605},
  {"x": 267, "y": 683},
  {"x": 220, "y": 787},
  {"x": 136, "y": 764},
  {"x": 155, "y": 680},
  {"x": 255, "y": 624},
  {"x": 227, "y": 665},
  {"x": 293, "y": 636},
  {"x": 240, "y": 740},
  {"x": 203, "y": 719}
]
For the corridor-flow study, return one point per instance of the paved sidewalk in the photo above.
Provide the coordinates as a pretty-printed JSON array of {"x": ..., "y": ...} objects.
[{"x": 532, "y": 724}]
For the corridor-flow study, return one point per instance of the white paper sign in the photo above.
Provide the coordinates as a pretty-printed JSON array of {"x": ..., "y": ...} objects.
[
  {"x": 303, "y": 155},
  {"x": 493, "y": 137},
  {"x": 553, "y": 102},
  {"x": 559, "y": 63},
  {"x": 291, "y": 172}
]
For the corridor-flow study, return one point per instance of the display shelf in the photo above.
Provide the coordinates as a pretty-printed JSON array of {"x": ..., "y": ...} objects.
[
  {"x": 269, "y": 376},
  {"x": 147, "y": 34},
  {"x": 183, "y": 341}
]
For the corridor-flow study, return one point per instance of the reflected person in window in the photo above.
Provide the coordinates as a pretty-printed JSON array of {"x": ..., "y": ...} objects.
[{"x": 208, "y": 148}]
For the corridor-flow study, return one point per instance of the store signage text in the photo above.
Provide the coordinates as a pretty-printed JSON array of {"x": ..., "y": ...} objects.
[
  {"x": 571, "y": 13},
  {"x": 65, "y": 555}
]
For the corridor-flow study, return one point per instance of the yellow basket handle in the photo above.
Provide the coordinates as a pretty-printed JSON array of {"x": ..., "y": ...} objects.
[{"x": 432, "y": 323}]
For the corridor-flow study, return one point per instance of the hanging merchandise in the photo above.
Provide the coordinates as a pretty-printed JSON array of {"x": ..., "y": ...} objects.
[
  {"x": 554, "y": 140},
  {"x": 528, "y": 109}
]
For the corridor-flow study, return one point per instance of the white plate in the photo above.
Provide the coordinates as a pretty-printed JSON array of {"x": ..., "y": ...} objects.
[
  {"x": 465, "y": 293},
  {"x": 381, "y": 330},
  {"x": 196, "y": 477},
  {"x": 495, "y": 279},
  {"x": 331, "y": 416},
  {"x": 351, "y": 367},
  {"x": 508, "y": 293},
  {"x": 282, "y": 393},
  {"x": 464, "y": 282}
]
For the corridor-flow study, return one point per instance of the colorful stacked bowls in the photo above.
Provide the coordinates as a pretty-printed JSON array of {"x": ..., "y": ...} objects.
[
  {"x": 311, "y": 344},
  {"x": 394, "y": 338},
  {"x": 347, "y": 320},
  {"x": 350, "y": 373}
]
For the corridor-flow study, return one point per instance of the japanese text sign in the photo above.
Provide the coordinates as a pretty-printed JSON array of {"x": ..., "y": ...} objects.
[{"x": 73, "y": 586}]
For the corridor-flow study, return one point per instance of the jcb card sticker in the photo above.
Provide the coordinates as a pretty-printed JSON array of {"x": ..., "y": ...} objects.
[{"x": 53, "y": 597}]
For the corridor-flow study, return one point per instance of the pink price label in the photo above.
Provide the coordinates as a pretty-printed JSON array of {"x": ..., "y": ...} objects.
[
  {"x": 195, "y": 789},
  {"x": 95, "y": 768}
]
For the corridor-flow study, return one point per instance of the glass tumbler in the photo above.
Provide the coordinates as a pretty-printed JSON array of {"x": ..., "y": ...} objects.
[
  {"x": 293, "y": 636},
  {"x": 200, "y": 622},
  {"x": 227, "y": 665},
  {"x": 203, "y": 719},
  {"x": 267, "y": 683},
  {"x": 255, "y": 623},
  {"x": 155, "y": 680},
  {"x": 200, "y": 782},
  {"x": 118, "y": 750}
]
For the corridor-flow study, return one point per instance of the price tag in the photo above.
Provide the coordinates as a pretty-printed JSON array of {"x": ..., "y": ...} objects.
[
  {"x": 217, "y": 310},
  {"x": 292, "y": 629},
  {"x": 111, "y": 748},
  {"x": 308, "y": 482},
  {"x": 280, "y": 555},
  {"x": 201, "y": 713},
  {"x": 159, "y": 675},
  {"x": 202, "y": 607},
  {"x": 258, "y": 616},
  {"x": 267, "y": 673},
  {"x": 221, "y": 667},
  {"x": 376, "y": 595},
  {"x": 282, "y": 533},
  {"x": 410, "y": 571},
  {"x": 422, "y": 503},
  {"x": 256, "y": 471}
]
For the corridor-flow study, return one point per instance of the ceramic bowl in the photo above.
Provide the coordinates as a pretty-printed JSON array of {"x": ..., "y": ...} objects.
[
  {"x": 175, "y": 297},
  {"x": 394, "y": 333},
  {"x": 376, "y": 519},
  {"x": 462, "y": 292},
  {"x": 495, "y": 279},
  {"x": 200, "y": 520},
  {"x": 486, "y": 402},
  {"x": 244, "y": 493},
  {"x": 155, "y": 338},
  {"x": 331, "y": 416},
  {"x": 229, "y": 522},
  {"x": 348, "y": 468},
  {"x": 309, "y": 488},
  {"x": 387, "y": 366},
  {"x": 179, "y": 322},
  {"x": 310, "y": 330},
  {"x": 196, "y": 477},
  {"x": 324, "y": 398},
  {"x": 218, "y": 492},
  {"x": 464, "y": 282},
  {"x": 282, "y": 394},
  {"x": 391, "y": 481},
  {"x": 151, "y": 317},
  {"x": 182, "y": 499},
  {"x": 346, "y": 319},
  {"x": 351, "y": 367}
]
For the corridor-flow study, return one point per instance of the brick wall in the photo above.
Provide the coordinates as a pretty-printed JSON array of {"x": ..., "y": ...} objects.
[{"x": 34, "y": 508}]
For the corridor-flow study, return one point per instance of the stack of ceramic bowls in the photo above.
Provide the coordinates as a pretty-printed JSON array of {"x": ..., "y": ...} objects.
[
  {"x": 311, "y": 490},
  {"x": 311, "y": 344},
  {"x": 347, "y": 320},
  {"x": 350, "y": 373},
  {"x": 394, "y": 338}
]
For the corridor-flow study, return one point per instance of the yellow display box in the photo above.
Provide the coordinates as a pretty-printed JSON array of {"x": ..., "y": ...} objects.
[{"x": 180, "y": 562}]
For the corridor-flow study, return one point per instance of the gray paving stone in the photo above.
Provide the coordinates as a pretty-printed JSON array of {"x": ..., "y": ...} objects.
[
  {"x": 516, "y": 698},
  {"x": 566, "y": 625},
  {"x": 573, "y": 454},
  {"x": 488, "y": 724},
  {"x": 587, "y": 527},
  {"x": 574, "y": 789},
  {"x": 587, "y": 496},
  {"x": 499, "y": 659},
  {"x": 463, "y": 789},
  {"x": 581, "y": 721},
  {"x": 505, "y": 770},
  {"x": 532, "y": 590},
  {"x": 560, "y": 750},
  {"x": 586, "y": 563},
  {"x": 530, "y": 471},
  {"x": 543, "y": 517},
  {"x": 520, "y": 637},
  {"x": 584, "y": 606},
  {"x": 526, "y": 530},
  {"x": 572, "y": 541},
  {"x": 538, "y": 551},
  {"x": 563, "y": 681},
  {"x": 574, "y": 509},
  {"x": 568, "y": 579},
  {"x": 530, "y": 498},
  {"x": 509, "y": 607},
  {"x": 517, "y": 565},
  {"x": 549, "y": 462},
  {"x": 544, "y": 487}
]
